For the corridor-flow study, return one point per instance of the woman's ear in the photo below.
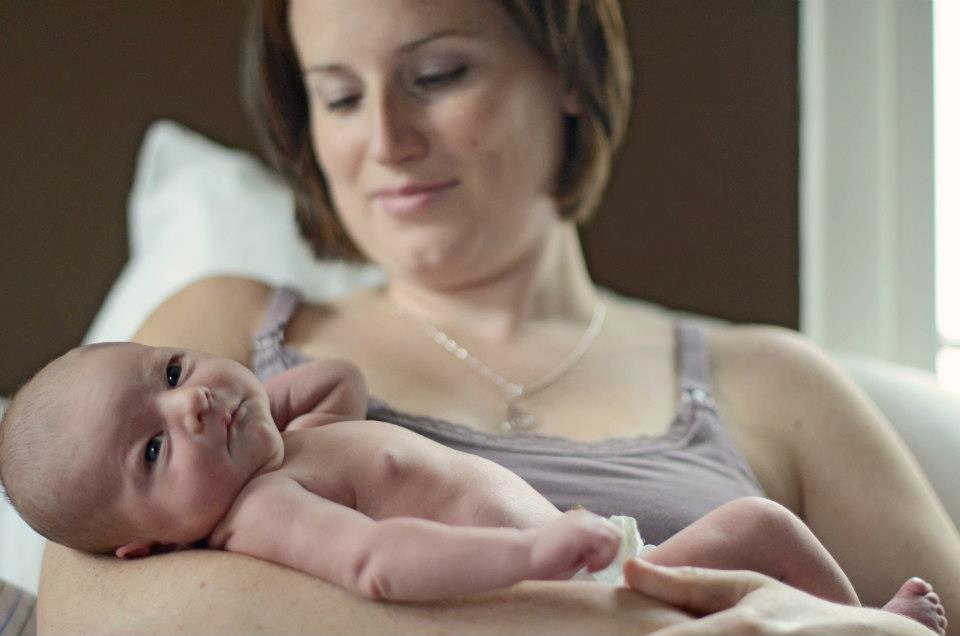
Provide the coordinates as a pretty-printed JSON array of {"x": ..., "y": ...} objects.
[{"x": 138, "y": 548}]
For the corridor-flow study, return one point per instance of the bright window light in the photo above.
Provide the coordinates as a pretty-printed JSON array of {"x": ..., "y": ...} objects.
[{"x": 946, "y": 26}]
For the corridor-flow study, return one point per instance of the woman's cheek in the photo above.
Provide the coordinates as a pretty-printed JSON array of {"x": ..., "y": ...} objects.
[
  {"x": 467, "y": 121},
  {"x": 336, "y": 150}
]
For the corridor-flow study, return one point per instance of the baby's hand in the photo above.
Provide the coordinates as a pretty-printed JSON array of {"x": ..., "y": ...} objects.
[{"x": 575, "y": 540}]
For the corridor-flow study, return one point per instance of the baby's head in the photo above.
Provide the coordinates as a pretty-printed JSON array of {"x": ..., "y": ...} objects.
[{"x": 127, "y": 449}]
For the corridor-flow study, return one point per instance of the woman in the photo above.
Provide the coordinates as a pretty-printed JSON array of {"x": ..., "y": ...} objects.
[{"x": 456, "y": 141}]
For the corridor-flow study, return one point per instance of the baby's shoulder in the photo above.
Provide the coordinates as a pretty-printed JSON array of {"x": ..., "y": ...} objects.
[{"x": 353, "y": 452}]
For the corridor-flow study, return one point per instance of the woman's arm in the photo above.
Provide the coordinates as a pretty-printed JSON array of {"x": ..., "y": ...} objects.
[
  {"x": 215, "y": 592},
  {"x": 218, "y": 315},
  {"x": 850, "y": 478}
]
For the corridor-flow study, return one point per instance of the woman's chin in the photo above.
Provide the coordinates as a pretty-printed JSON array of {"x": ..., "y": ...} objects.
[{"x": 433, "y": 263}]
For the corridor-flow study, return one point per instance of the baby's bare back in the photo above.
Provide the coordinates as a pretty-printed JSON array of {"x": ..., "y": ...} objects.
[{"x": 384, "y": 471}]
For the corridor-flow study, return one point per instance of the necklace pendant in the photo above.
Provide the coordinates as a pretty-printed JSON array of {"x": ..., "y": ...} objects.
[{"x": 516, "y": 419}]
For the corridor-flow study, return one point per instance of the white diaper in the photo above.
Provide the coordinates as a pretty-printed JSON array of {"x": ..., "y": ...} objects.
[{"x": 631, "y": 545}]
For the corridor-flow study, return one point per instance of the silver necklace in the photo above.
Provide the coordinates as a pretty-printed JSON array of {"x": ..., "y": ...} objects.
[{"x": 515, "y": 418}]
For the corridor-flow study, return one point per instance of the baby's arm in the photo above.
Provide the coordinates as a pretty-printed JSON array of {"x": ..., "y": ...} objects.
[
  {"x": 316, "y": 393},
  {"x": 405, "y": 558}
]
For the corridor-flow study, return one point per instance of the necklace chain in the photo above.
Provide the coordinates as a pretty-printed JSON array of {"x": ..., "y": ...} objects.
[{"x": 515, "y": 418}]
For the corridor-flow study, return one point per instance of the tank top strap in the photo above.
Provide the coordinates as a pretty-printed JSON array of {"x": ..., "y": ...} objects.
[
  {"x": 283, "y": 302},
  {"x": 694, "y": 363},
  {"x": 270, "y": 354}
]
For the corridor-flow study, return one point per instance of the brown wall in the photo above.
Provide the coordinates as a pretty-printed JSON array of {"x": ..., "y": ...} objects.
[{"x": 702, "y": 214}]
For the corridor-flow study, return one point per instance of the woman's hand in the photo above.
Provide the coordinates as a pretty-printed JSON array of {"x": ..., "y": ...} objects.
[{"x": 742, "y": 602}]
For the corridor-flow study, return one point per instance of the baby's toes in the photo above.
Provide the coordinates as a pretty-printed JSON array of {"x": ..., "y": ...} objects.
[{"x": 917, "y": 600}]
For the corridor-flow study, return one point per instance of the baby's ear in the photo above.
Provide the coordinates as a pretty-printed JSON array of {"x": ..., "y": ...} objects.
[{"x": 138, "y": 548}]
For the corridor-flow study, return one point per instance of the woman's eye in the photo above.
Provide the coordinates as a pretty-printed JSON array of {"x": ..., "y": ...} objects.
[
  {"x": 152, "y": 452},
  {"x": 173, "y": 374},
  {"x": 438, "y": 80},
  {"x": 342, "y": 104}
]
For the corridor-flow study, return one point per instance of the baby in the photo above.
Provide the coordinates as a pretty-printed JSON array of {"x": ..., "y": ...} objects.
[{"x": 132, "y": 450}]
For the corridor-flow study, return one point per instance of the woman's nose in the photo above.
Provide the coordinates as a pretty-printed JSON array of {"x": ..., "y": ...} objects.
[
  {"x": 395, "y": 137},
  {"x": 186, "y": 407}
]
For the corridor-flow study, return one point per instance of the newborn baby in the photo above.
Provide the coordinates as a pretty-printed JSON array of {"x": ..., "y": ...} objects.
[{"x": 132, "y": 450}]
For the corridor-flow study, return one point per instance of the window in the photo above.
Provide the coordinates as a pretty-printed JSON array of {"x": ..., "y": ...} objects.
[
  {"x": 867, "y": 178},
  {"x": 947, "y": 192}
]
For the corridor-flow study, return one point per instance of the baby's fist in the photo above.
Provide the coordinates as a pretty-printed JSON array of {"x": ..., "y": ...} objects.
[{"x": 575, "y": 540}]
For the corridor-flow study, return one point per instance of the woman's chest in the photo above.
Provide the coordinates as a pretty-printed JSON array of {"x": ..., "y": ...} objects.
[
  {"x": 616, "y": 389},
  {"x": 576, "y": 408}
]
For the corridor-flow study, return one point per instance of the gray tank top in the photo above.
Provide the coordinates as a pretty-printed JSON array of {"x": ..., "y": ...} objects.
[{"x": 666, "y": 482}]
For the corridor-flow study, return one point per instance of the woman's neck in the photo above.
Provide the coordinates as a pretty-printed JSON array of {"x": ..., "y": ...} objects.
[{"x": 548, "y": 284}]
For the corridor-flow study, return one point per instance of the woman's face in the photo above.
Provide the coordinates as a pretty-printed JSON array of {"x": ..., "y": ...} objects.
[{"x": 438, "y": 128}]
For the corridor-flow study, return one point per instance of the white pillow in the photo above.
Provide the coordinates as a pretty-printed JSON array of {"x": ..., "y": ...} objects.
[{"x": 197, "y": 209}]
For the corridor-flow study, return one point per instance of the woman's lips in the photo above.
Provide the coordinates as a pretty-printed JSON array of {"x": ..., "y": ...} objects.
[{"x": 409, "y": 199}]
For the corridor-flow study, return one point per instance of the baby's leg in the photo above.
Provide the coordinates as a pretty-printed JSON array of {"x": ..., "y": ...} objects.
[
  {"x": 761, "y": 535},
  {"x": 757, "y": 534}
]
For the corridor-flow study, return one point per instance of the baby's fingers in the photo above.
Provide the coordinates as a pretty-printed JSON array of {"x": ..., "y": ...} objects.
[
  {"x": 603, "y": 548},
  {"x": 575, "y": 540}
]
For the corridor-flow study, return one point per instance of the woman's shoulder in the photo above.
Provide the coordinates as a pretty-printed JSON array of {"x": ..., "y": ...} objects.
[
  {"x": 766, "y": 351},
  {"x": 743, "y": 349},
  {"x": 777, "y": 381},
  {"x": 218, "y": 314}
]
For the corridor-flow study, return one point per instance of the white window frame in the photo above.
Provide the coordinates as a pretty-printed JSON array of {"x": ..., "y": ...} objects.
[
  {"x": 947, "y": 125},
  {"x": 866, "y": 186}
]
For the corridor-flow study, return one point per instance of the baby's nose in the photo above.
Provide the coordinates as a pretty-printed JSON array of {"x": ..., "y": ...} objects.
[{"x": 192, "y": 404}]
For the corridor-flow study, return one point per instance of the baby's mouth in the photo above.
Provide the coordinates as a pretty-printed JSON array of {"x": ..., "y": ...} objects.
[
  {"x": 232, "y": 414},
  {"x": 230, "y": 419}
]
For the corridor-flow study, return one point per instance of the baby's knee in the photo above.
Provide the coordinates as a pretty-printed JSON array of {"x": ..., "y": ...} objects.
[{"x": 765, "y": 517}]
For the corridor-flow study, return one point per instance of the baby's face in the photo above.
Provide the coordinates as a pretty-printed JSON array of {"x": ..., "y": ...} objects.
[{"x": 175, "y": 434}]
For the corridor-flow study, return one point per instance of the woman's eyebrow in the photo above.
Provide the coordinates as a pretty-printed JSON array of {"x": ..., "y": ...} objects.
[{"x": 402, "y": 49}]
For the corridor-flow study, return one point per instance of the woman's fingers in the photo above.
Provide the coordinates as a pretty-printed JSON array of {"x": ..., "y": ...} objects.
[{"x": 699, "y": 591}]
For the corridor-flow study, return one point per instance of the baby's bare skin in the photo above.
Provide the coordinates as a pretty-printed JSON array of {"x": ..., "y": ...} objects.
[
  {"x": 390, "y": 514},
  {"x": 179, "y": 447}
]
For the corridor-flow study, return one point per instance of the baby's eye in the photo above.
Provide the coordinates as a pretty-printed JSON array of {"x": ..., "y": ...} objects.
[
  {"x": 173, "y": 373},
  {"x": 152, "y": 453}
]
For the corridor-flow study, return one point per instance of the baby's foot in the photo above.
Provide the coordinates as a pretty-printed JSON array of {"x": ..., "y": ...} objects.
[{"x": 916, "y": 599}]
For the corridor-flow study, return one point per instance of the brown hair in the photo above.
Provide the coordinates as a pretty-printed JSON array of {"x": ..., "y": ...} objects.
[{"x": 585, "y": 40}]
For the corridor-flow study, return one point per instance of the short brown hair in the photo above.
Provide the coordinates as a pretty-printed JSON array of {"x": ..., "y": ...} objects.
[
  {"x": 585, "y": 40},
  {"x": 32, "y": 458}
]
